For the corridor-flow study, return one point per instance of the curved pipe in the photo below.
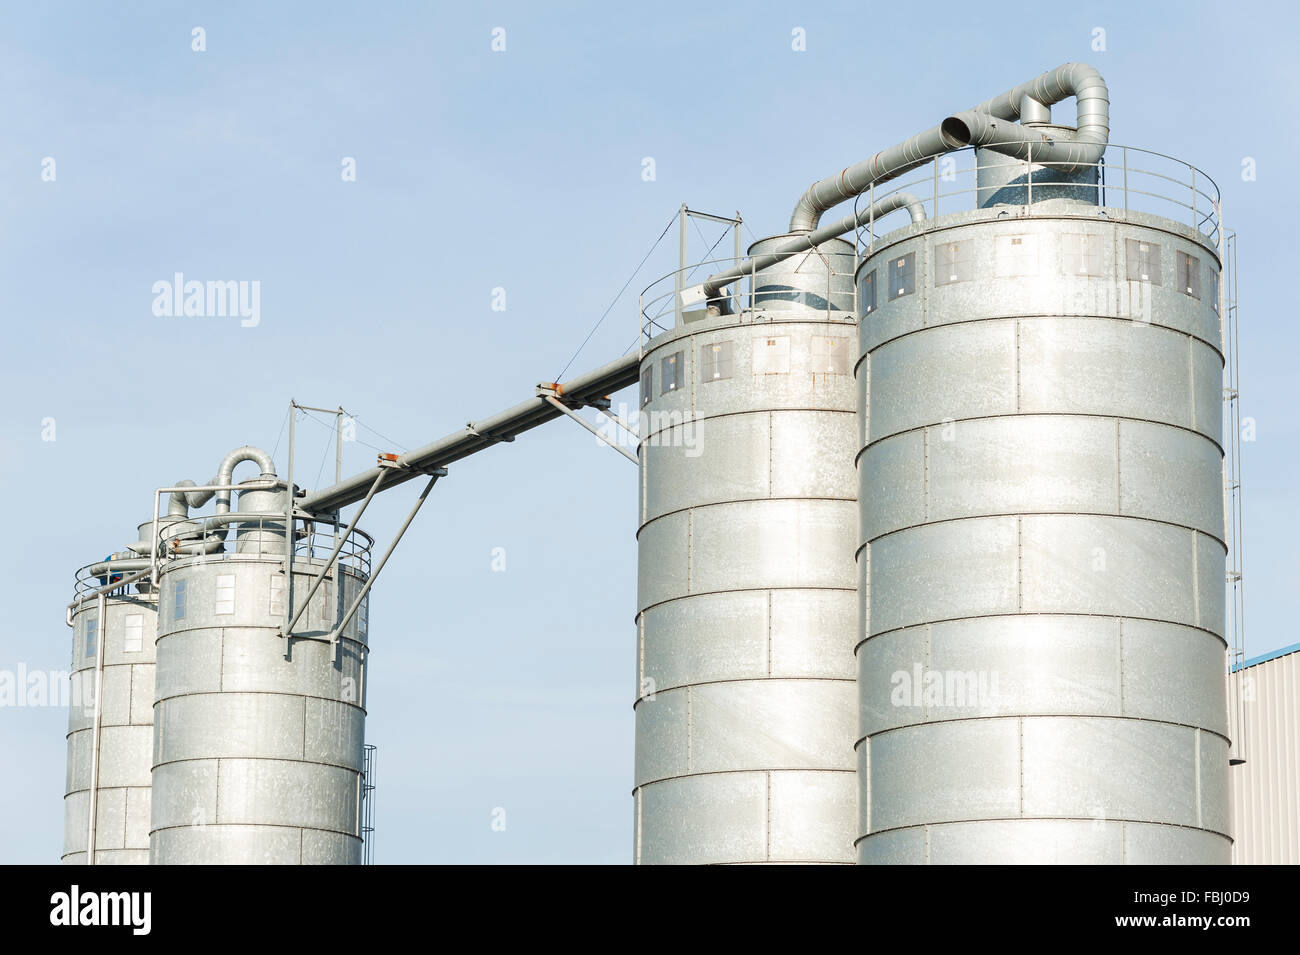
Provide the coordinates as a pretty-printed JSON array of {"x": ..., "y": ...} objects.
[
  {"x": 1073, "y": 79},
  {"x": 179, "y": 503},
  {"x": 803, "y": 243},
  {"x": 226, "y": 472}
]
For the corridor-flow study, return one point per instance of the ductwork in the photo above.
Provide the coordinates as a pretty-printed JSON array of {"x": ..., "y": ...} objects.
[
  {"x": 979, "y": 127},
  {"x": 713, "y": 285}
]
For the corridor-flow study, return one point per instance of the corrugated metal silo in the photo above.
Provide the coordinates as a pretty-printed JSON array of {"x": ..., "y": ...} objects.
[
  {"x": 1042, "y": 545},
  {"x": 259, "y": 740},
  {"x": 109, "y": 758},
  {"x": 746, "y": 705}
]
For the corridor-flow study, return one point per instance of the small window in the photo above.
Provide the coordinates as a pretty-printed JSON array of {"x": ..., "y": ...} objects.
[
  {"x": 867, "y": 292},
  {"x": 717, "y": 361},
  {"x": 647, "y": 384},
  {"x": 1189, "y": 274},
  {"x": 178, "y": 600},
  {"x": 225, "y": 594},
  {"x": 830, "y": 355},
  {"x": 1143, "y": 261},
  {"x": 1017, "y": 255},
  {"x": 275, "y": 606},
  {"x": 670, "y": 373},
  {"x": 133, "y": 641},
  {"x": 92, "y": 637},
  {"x": 954, "y": 262},
  {"x": 1214, "y": 291},
  {"x": 1082, "y": 255},
  {"x": 771, "y": 356},
  {"x": 902, "y": 276}
]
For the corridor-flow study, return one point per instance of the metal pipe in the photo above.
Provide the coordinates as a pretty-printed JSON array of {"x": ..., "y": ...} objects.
[
  {"x": 478, "y": 435},
  {"x": 714, "y": 284},
  {"x": 94, "y": 736},
  {"x": 370, "y": 582},
  {"x": 339, "y": 540},
  {"x": 1073, "y": 79},
  {"x": 192, "y": 495}
]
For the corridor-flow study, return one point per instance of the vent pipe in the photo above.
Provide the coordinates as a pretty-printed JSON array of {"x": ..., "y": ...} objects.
[
  {"x": 980, "y": 127},
  {"x": 803, "y": 243}
]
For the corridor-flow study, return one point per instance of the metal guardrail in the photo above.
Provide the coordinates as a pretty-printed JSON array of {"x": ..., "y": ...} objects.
[
  {"x": 1134, "y": 180},
  {"x": 262, "y": 538}
]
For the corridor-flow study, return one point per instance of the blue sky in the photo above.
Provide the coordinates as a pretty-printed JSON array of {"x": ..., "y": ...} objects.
[{"x": 479, "y": 170}]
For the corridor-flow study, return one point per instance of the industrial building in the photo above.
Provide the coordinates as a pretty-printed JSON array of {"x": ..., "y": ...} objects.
[{"x": 937, "y": 516}]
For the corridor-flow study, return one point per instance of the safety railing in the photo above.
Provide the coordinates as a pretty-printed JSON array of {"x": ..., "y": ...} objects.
[
  {"x": 1127, "y": 180},
  {"x": 235, "y": 536}
]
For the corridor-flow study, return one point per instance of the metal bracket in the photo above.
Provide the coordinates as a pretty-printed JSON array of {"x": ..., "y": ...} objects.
[
  {"x": 495, "y": 438},
  {"x": 550, "y": 392}
]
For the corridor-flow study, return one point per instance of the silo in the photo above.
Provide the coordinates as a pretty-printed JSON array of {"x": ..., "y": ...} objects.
[
  {"x": 746, "y": 703},
  {"x": 1042, "y": 539},
  {"x": 259, "y": 739},
  {"x": 110, "y": 734}
]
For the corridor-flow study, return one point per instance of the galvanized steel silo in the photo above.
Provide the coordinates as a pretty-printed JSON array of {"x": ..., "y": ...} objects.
[
  {"x": 745, "y": 707},
  {"x": 259, "y": 740},
  {"x": 110, "y": 733},
  {"x": 1042, "y": 656}
]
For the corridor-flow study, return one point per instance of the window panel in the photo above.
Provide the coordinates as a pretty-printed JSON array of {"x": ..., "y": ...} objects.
[
  {"x": 1189, "y": 274},
  {"x": 771, "y": 356},
  {"x": 671, "y": 372},
  {"x": 1081, "y": 254},
  {"x": 178, "y": 599},
  {"x": 647, "y": 384},
  {"x": 133, "y": 642},
  {"x": 1016, "y": 255},
  {"x": 867, "y": 292},
  {"x": 92, "y": 637},
  {"x": 225, "y": 594},
  {"x": 717, "y": 361},
  {"x": 830, "y": 355},
  {"x": 1143, "y": 263},
  {"x": 954, "y": 262},
  {"x": 902, "y": 276}
]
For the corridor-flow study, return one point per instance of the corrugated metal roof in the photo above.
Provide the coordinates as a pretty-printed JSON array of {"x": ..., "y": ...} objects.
[{"x": 1265, "y": 657}]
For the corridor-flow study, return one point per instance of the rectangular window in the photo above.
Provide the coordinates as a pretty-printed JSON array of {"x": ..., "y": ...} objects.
[
  {"x": 1017, "y": 255},
  {"x": 1143, "y": 261},
  {"x": 1214, "y": 291},
  {"x": 133, "y": 642},
  {"x": 647, "y": 384},
  {"x": 276, "y": 604},
  {"x": 830, "y": 355},
  {"x": 771, "y": 356},
  {"x": 717, "y": 361},
  {"x": 902, "y": 276},
  {"x": 671, "y": 372},
  {"x": 867, "y": 292},
  {"x": 225, "y": 594},
  {"x": 92, "y": 637},
  {"x": 178, "y": 600},
  {"x": 954, "y": 262},
  {"x": 1189, "y": 274},
  {"x": 1082, "y": 254}
]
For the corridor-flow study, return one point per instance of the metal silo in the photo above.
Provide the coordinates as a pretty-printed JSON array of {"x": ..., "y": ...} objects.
[
  {"x": 746, "y": 704},
  {"x": 110, "y": 723},
  {"x": 258, "y": 748},
  {"x": 1042, "y": 531}
]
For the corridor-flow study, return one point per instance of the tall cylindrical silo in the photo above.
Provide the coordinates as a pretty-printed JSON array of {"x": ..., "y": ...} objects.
[
  {"x": 110, "y": 733},
  {"x": 746, "y": 703},
  {"x": 259, "y": 740},
  {"x": 1042, "y": 545}
]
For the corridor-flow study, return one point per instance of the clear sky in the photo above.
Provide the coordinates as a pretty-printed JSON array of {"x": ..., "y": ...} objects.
[{"x": 478, "y": 170}]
